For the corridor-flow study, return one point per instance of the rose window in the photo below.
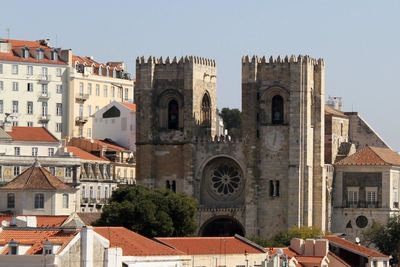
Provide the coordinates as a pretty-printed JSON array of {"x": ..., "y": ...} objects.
[{"x": 225, "y": 180}]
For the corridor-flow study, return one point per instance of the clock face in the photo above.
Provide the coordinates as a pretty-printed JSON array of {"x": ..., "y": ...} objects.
[{"x": 274, "y": 140}]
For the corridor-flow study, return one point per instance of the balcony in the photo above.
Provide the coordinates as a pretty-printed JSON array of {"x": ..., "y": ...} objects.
[
  {"x": 44, "y": 118},
  {"x": 44, "y": 95},
  {"x": 44, "y": 78},
  {"x": 81, "y": 97},
  {"x": 363, "y": 204},
  {"x": 81, "y": 120}
]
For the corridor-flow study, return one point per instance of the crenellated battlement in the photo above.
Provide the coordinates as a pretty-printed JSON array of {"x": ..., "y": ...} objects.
[
  {"x": 182, "y": 60},
  {"x": 223, "y": 139},
  {"x": 247, "y": 60}
]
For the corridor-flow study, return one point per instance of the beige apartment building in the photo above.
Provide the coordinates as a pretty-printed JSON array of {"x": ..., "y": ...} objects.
[{"x": 92, "y": 85}]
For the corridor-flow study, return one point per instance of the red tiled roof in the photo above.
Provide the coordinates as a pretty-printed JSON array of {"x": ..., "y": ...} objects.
[
  {"x": 372, "y": 156},
  {"x": 353, "y": 247},
  {"x": 35, "y": 238},
  {"x": 333, "y": 255},
  {"x": 88, "y": 218},
  {"x": 133, "y": 244},
  {"x": 82, "y": 154},
  {"x": 131, "y": 106},
  {"x": 89, "y": 62},
  {"x": 36, "y": 177},
  {"x": 39, "y": 134},
  {"x": 13, "y": 56},
  {"x": 110, "y": 145},
  {"x": 209, "y": 245},
  {"x": 41, "y": 220}
]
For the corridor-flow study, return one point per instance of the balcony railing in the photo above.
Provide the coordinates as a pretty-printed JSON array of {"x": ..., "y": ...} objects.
[
  {"x": 44, "y": 95},
  {"x": 44, "y": 117},
  {"x": 363, "y": 204},
  {"x": 81, "y": 97},
  {"x": 81, "y": 120},
  {"x": 44, "y": 78}
]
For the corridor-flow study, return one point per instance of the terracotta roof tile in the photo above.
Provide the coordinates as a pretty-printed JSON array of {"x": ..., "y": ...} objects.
[
  {"x": 82, "y": 154},
  {"x": 209, "y": 245},
  {"x": 39, "y": 134},
  {"x": 372, "y": 156},
  {"x": 330, "y": 254},
  {"x": 36, "y": 177},
  {"x": 13, "y": 56},
  {"x": 89, "y": 218},
  {"x": 35, "y": 238},
  {"x": 353, "y": 247},
  {"x": 89, "y": 62},
  {"x": 131, "y": 106},
  {"x": 41, "y": 220},
  {"x": 133, "y": 244}
]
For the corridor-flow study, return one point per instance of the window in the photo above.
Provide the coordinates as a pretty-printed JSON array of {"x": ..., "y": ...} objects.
[
  {"x": 15, "y": 106},
  {"x": 29, "y": 107},
  {"x": 29, "y": 70},
  {"x": 58, "y": 127},
  {"x": 39, "y": 201},
  {"x": 65, "y": 201},
  {"x": 13, "y": 246},
  {"x": 173, "y": 115},
  {"x": 1, "y": 85},
  {"x": 10, "y": 201},
  {"x": 83, "y": 191},
  {"x": 106, "y": 192},
  {"x": 89, "y": 89},
  {"x": 113, "y": 91},
  {"x": 205, "y": 111},
  {"x": 25, "y": 53},
  {"x": 47, "y": 248},
  {"x": 45, "y": 125},
  {"x": 51, "y": 151},
  {"x": 277, "y": 110},
  {"x": 107, "y": 72},
  {"x": 59, "y": 109},
  {"x": 1, "y": 68},
  {"x": 44, "y": 89},
  {"x": 15, "y": 86},
  {"x": 52, "y": 170},
  {"x": 1, "y": 107},
  {"x": 120, "y": 93},
  {"x": 81, "y": 89},
  {"x": 371, "y": 199},
  {"x": 100, "y": 71},
  {"x": 44, "y": 71},
  {"x": 126, "y": 97},
  {"x": 29, "y": 87},
  {"x": 54, "y": 55},
  {"x": 68, "y": 172},
  {"x": 114, "y": 73},
  {"x": 39, "y": 54},
  {"x": 97, "y": 90},
  {"x": 105, "y": 91},
  {"x": 80, "y": 131},
  {"x": 29, "y": 123},
  {"x": 352, "y": 196},
  {"x": 59, "y": 72},
  {"x": 34, "y": 151},
  {"x": 17, "y": 170},
  {"x": 91, "y": 192},
  {"x": 59, "y": 88},
  {"x": 14, "y": 69},
  {"x": 44, "y": 108},
  {"x": 17, "y": 151},
  {"x": 90, "y": 110},
  {"x": 15, "y": 123},
  {"x": 274, "y": 188}
]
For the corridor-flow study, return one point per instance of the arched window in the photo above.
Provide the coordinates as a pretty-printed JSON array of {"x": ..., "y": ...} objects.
[
  {"x": 206, "y": 111},
  {"x": 277, "y": 110},
  {"x": 173, "y": 115},
  {"x": 39, "y": 201}
]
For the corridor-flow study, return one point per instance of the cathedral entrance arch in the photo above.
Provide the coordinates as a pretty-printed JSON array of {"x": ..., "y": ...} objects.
[{"x": 222, "y": 226}]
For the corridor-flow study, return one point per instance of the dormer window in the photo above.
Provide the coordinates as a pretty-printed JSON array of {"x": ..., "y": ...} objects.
[
  {"x": 39, "y": 54},
  {"x": 108, "y": 72},
  {"x": 100, "y": 70},
  {"x": 54, "y": 55},
  {"x": 114, "y": 73},
  {"x": 47, "y": 248},
  {"x": 25, "y": 53},
  {"x": 13, "y": 247}
]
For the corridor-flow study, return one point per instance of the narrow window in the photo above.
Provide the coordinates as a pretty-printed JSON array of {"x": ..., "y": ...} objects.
[
  {"x": 29, "y": 107},
  {"x": 10, "y": 201},
  {"x": 39, "y": 201},
  {"x": 277, "y": 110},
  {"x": 51, "y": 152},
  {"x": 206, "y": 111},
  {"x": 35, "y": 151},
  {"x": 173, "y": 186},
  {"x": 65, "y": 201},
  {"x": 173, "y": 115}
]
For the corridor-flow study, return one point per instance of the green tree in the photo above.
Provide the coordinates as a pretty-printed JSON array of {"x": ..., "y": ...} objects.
[
  {"x": 150, "y": 212},
  {"x": 232, "y": 120},
  {"x": 385, "y": 237}
]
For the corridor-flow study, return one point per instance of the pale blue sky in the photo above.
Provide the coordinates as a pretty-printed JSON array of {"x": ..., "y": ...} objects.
[{"x": 359, "y": 40}]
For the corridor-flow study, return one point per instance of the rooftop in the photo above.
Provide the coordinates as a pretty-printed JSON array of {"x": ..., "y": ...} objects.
[
  {"x": 371, "y": 156},
  {"x": 82, "y": 154},
  {"x": 133, "y": 244},
  {"x": 37, "y": 134},
  {"x": 129, "y": 105},
  {"x": 43, "y": 221}
]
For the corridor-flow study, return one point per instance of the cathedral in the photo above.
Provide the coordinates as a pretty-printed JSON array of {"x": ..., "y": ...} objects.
[{"x": 271, "y": 178}]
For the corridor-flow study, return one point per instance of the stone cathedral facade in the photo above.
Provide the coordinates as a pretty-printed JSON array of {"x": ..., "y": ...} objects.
[{"x": 270, "y": 179}]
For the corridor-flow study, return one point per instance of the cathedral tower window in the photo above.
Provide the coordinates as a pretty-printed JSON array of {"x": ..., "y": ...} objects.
[
  {"x": 277, "y": 110},
  {"x": 274, "y": 188},
  {"x": 206, "y": 111},
  {"x": 173, "y": 115}
]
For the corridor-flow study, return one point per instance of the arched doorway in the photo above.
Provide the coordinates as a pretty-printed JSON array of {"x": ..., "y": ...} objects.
[{"x": 223, "y": 226}]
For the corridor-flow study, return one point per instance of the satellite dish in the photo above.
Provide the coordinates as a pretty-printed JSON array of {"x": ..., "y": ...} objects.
[
  {"x": 358, "y": 240},
  {"x": 279, "y": 252}
]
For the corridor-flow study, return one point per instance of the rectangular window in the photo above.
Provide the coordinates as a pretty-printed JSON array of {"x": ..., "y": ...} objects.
[
  {"x": 44, "y": 109},
  {"x": 1, "y": 85},
  {"x": 1, "y": 107},
  {"x": 68, "y": 172},
  {"x": 120, "y": 93},
  {"x": 29, "y": 70},
  {"x": 58, "y": 127},
  {"x": 14, "y": 249},
  {"x": 51, "y": 152},
  {"x": 89, "y": 89},
  {"x": 29, "y": 107},
  {"x": 371, "y": 196},
  {"x": 29, "y": 124},
  {"x": 44, "y": 71},
  {"x": 17, "y": 151},
  {"x": 59, "y": 72},
  {"x": 10, "y": 201},
  {"x": 14, "y": 69},
  {"x": 52, "y": 170},
  {"x": 35, "y": 151},
  {"x": 113, "y": 91},
  {"x": 65, "y": 201},
  {"x": 97, "y": 90},
  {"x": 17, "y": 170},
  {"x": 39, "y": 201},
  {"x": 59, "y": 109},
  {"x": 126, "y": 97},
  {"x": 29, "y": 87},
  {"x": 90, "y": 110},
  {"x": 15, "y": 106},
  {"x": 105, "y": 91},
  {"x": 352, "y": 196},
  {"x": 59, "y": 88},
  {"x": 44, "y": 89},
  {"x": 1, "y": 68},
  {"x": 81, "y": 89},
  {"x": 15, "y": 86}
]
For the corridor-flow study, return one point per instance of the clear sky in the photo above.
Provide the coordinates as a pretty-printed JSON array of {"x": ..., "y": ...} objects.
[{"x": 359, "y": 40}]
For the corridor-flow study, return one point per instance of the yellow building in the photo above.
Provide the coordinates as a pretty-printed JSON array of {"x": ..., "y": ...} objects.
[{"x": 92, "y": 85}]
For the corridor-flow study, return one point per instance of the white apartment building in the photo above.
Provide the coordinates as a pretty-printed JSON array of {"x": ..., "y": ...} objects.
[{"x": 32, "y": 81}]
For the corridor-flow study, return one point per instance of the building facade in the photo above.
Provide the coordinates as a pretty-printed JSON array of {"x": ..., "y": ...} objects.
[{"x": 270, "y": 179}]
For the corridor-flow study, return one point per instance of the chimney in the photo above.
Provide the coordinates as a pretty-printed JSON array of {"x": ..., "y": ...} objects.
[
  {"x": 87, "y": 246},
  {"x": 309, "y": 247},
  {"x": 321, "y": 247},
  {"x": 297, "y": 245}
]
